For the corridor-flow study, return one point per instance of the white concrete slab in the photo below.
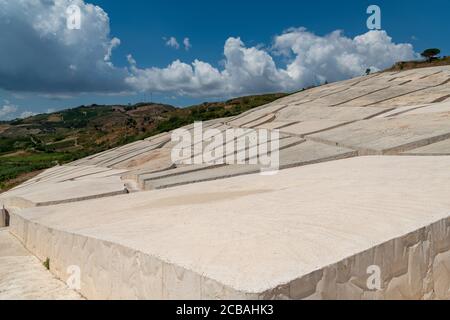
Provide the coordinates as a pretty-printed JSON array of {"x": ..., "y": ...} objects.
[
  {"x": 439, "y": 148},
  {"x": 259, "y": 236},
  {"x": 51, "y": 193},
  {"x": 390, "y": 135}
]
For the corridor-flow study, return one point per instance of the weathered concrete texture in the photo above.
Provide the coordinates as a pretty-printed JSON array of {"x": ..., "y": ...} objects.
[
  {"x": 425, "y": 96},
  {"x": 439, "y": 148},
  {"x": 433, "y": 108},
  {"x": 116, "y": 156},
  {"x": 3, "y": 218},
  {"x": 70, "y": 173},
  {"x": 418, "y": 109},
  {"x": 241, "y": 146},
  {"x": 143, "y": 177},
  {"x": 414, "y": 267},
  {"x": 259, "y": 122},
  {"x": 156, "y": 159},
  {"x": 261, "y": 237},
  {"x": 298, "y": 154},
  {"x": 311, "y": 152},
  {"x": 347, "y": 98},
  {"x": 384, "y": 95},
  {"x": 209, "y": 174},
  {"x": 400, "y": 110},
  {"x": 276, "y": 125},
  {"x": 22, "y": 275},
  {"x": 390, "y": 135},
  {"x": 49, "y": 193},
  {"x": 310, "y": 127},
  {"x": 278, "y": 145}
]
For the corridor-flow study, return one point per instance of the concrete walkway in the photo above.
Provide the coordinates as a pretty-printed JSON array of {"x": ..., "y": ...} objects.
[{"x": 23, "y": 276}]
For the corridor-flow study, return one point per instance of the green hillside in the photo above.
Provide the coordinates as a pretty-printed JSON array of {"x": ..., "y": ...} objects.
[{"x": 39, "y": 142}]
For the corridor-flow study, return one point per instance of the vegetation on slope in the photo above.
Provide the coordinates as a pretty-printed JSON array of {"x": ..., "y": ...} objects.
[
  {"x": 212, "y": 110},
  {"x": 408, "y": 65},
  {"x": 39, "y": 142}
]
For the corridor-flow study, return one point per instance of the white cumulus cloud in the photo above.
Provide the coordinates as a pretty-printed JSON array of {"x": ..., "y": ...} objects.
[
  {"x": 311, "y": 59},
  {"x": 336, "y": 57},
  {"x": 38, "y": 53}
]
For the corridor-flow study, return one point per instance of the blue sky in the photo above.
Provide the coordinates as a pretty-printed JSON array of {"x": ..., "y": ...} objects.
[
  {"x": 256, "y": 34},
  {"x": 142, "y": 24}
]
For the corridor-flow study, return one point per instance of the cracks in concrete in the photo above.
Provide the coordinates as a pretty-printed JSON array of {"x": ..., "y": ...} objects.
[
  {"x": 416, "y": 144},
  {"x": 361, "y": 96},
  {"x": 441, "y": 99},
  {"x": 430, "y": 75},
  {"x": 407, "y": 93},
  {"x": 99, "y": 196}
]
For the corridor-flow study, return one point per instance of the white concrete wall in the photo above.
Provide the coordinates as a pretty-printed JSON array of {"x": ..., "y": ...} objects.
[
  {"x": 2, "y": 218},
  {"x": 111, "y": 271},
  {"x": 415, "y": 266}
]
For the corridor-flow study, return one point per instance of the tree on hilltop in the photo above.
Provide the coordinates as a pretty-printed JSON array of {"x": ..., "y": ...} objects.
[{"x": 430, "y": 54}]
